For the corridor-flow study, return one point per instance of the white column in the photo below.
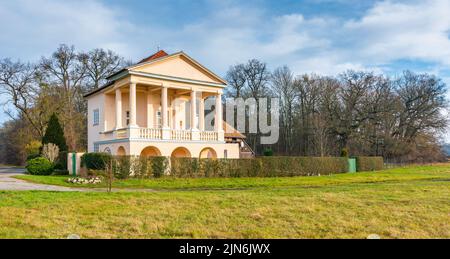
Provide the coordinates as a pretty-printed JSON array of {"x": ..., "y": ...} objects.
[
  {"x": 165, "y": 124},
  {"x": 194, "y": 110},
  {"x": 201, "y": 114},
  {"x": 133, "y": 105},
  {"x": 218, "y": 119},
  {"x": 150, "y": 111},
  {"x": 118, "y": 109}
]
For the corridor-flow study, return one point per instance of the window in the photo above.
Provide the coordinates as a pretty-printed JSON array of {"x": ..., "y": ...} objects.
[
  {"x": 225, "y": 154},
  {"x": 96, "y": 148},
  {"x": 158, "y": 119},
  {"x": 96, "y": 117},
  {"x": 128, "y": 118}
]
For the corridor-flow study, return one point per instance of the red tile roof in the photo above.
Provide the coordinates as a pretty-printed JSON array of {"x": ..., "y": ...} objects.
[
  {"x": 231, "y": 132},
  {"x": 157, "y": 55}
]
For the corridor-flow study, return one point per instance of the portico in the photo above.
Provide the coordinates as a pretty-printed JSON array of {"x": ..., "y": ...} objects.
[{"x": 165, "y": 112}]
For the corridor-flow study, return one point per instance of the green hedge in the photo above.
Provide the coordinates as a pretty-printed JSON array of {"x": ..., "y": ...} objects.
[
  {"x": 39, "y": 166},
  {"x": 95, "y": 161},
  {"x": 61, "y": 162},
  {"x": 365, "y": 163},
  {"x": 155, "y": 167}
]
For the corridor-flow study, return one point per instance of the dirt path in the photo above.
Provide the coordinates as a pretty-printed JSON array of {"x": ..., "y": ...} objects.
[{"x": 9, "y": 183}]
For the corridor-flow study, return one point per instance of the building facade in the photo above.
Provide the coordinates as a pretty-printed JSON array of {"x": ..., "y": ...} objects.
[{"x": 157, "y": 108}]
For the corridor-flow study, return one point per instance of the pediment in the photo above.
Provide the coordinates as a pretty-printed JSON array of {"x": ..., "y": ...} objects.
[{"x": 179, "y": 66}]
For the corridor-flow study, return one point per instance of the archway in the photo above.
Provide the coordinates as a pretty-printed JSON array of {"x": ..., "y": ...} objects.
[
  {"x": 181, "y": 152},
  {"x": 208, "y": 153},
  {"x": 150, "y": 152},
  {"x": 121, "y": 151}
]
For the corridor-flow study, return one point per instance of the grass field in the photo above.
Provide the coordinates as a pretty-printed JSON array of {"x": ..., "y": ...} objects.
[
  {"x": 409, "y": 202},
  {"x": 393, "y": 175}
]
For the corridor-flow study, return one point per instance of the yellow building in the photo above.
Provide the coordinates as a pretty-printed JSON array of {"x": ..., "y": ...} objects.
[{"x": 157, "y": 108}]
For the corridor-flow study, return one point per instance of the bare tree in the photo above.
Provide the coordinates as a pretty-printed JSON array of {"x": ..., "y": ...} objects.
[
  {"x": 17, "y": 81},
  {"x": 350, "y": 109},
  {"x": 257, "y": 77},
  {"x": 236, "y": 81},
  {"x": 66, "y": 69},
  {"x": 422, "y": 99},
  {"x": 283, "y": 87},
  {"x": 99, "y": 64}
]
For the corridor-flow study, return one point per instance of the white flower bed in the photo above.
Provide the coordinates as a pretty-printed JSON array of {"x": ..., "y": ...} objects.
[{"x": 94, "y": 180}]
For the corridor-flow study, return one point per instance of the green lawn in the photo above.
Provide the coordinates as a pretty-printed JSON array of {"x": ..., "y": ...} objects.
[
  {"x": 409, "y": 202},
  {"x": 392, "y": 175}
]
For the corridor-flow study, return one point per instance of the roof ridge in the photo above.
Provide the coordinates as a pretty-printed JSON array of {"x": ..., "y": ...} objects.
[{"x": 159, "y": 54}]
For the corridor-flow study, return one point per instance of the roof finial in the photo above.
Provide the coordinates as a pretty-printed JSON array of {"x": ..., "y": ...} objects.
[{"x": 158, "y": 48}]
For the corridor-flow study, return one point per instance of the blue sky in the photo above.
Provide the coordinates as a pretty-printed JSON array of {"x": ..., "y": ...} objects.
[{"x": 320, "y": 36}]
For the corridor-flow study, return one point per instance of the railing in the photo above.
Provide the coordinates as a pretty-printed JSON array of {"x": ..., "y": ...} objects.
[
  {"x": 159, "y": 134},
  {"x": 180, "y": 134},
  {"x": 145, "y": 133},
  {"x": 209, "y": 136},
  {"x": 120, "y": 134}
]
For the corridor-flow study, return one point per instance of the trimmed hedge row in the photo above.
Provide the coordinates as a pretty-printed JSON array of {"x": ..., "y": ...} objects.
[
  {"x": 366, "y": 163},
  {"x": 154, "y": 167},
  {"x": 258, "y": 167},
  {"x": 95, "y": 161}
]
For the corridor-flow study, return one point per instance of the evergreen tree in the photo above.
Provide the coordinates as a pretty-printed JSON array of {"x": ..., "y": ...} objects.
[{"x": 55, "y": 134}]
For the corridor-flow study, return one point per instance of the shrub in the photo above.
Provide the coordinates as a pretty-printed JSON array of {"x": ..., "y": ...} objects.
[
  {"x": 51, "y": 152},
  {"x": 210, "y": 167},
  {"x": 146, "y": 167},
  {"x": 122, "y": 166},
  {"x": 159, "y": 166},
  {"x": 258, "y": 167},
  {"x": 155, "y": 167},
  {"x": 61, "y": 162},
  {"x": 268, "y": 152},
  {"x": 364, "y": 163},
  {"x": 95, "y": 161},
  {"x": 184, "y": 167},
  {"x": 39, "y": 166},
  {"x": 33, "y": 156}
]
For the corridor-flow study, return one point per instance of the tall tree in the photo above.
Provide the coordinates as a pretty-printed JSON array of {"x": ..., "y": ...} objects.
[
  {"x": 236, "y": 81},
  {"x": 99, "y": 64},
  {"x": 257, "y": 77},
  {"x": 17, "y": 81},
  {"x": 66, "y": 69},
  {"x": 283, "y": 87},
  {"x": 422, "y": 100},
  {"x": 55, "y": 134}
]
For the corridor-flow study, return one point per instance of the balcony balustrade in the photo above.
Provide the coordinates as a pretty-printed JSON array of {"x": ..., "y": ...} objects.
[{"x": 158, "y": 134}]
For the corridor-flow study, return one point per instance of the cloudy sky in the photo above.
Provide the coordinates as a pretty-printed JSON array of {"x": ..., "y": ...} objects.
[{"x": 320, "y": 36}]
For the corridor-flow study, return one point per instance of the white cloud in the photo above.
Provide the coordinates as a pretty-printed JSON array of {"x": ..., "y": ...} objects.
[
  {"x": 233, "y": 32},
  {"x": 31, "y": 28},
  {"x": 387, "y": 32},
  {"x": 391, "y": 31}
]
